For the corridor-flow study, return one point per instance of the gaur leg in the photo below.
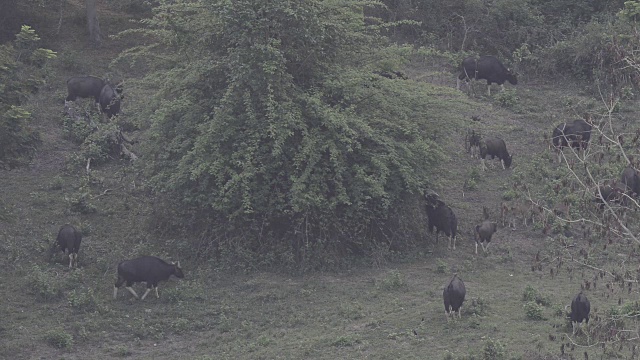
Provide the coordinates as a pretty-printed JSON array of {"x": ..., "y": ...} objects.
[
  {"x": 118, "y": 283},
  {"x": 133, "y": 292},
  {"x": 477, "y": 248},
  {"x": 460, "y": 312},
  {"x": 70, "y": 260},
  {"x": 488, "y": 89},
  {"x": 149, "y": 286},
  {"x": 484, "y": 167},
  {"x": 502, "y": 162},
  {"x": 458, "y": 83},
  {"x": 502, "y": 87}
]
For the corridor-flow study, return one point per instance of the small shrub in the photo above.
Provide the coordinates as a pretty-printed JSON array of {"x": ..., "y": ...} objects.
[
  {"x": 83, "y": 301},
  {"x": 76, "y": 131},
  {"x": 441, "y": 266},
  {"x": 509, "y": 195},
  {"x": 394, "y": 280},
  {"x": 558, "y": 311},
  {"x": 507, "y": 98},
  {"x": 630, "y": 309},
  {"x": 44, "y": 285},
  {"x": 478, "y": 307},
  {"x": 493, "y": 350},
  {"x": 343, "y": 341},
  {"x": 351, "y": 311},
  {"x": 80, "y": 202},
  {"x": 533, "y": 311},
  {"x": 532, "y": 294},
  {"x": 56, "y": 183},
  {"x": 59, "y": 338}
]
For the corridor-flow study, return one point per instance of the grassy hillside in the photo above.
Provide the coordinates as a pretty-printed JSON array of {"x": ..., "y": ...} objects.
[{"x": 392, "y": 309}]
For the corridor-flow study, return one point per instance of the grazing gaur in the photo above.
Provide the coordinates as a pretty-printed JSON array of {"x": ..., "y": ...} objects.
[
  {"x": 608, "y": 193},
  {"x": 84, "y": 87},
  {"x": 68, "y": 239},
  {"x": 631, "y": 180},
  {"x": 580, "y": 308},
  {"x": 495, "y": 147},
  {"x": 110, "y": 97},
  {"x": 453, "y": 296},
  {"x": 488, "y": 68},
  {"x": 442, "y": 218},
  {"x": 484, "y": 232},
  {"x": 576, "y": 135},
  {"x": 149, "y": 269}
]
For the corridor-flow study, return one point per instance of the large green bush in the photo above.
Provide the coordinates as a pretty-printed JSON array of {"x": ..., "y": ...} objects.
[
  {"x": 282, "y": 131},
  {"x": 20, "y": 75}
]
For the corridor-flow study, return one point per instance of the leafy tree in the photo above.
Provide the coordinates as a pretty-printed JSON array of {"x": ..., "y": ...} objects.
[
  {"x": 270, "y": 121},
  {"x": 18, "y": 77}
]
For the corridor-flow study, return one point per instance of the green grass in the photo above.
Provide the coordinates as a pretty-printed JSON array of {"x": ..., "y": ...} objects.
[{"x": 386, "y": 308}]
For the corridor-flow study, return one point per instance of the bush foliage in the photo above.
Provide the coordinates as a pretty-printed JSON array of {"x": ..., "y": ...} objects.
[
  {"x": 283, "y": 130},
  {"x": 20, "y": 75}
]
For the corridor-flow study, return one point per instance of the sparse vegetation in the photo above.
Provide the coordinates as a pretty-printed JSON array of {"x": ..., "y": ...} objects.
[
  {"x": 59, "y": 338},
  {"x": 286, "y": 172}
]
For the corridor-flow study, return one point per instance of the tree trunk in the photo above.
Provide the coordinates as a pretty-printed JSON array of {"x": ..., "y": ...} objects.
[{"x": 95, "y": 37}]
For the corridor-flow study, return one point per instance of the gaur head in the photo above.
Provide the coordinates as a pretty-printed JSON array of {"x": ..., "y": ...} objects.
[
  {"x": 431, "y": 197},
  {"x": 512, "y": 79},
  {"x": 178, "y": 270},
  {"x": 507, "y": 161}
]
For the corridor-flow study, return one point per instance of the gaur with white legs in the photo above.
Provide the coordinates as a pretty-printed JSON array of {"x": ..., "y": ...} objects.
[
  {"x": 149, "y": 269},
  {"x": 453, "y": 296},
  {"x": 68, "y": 239}
]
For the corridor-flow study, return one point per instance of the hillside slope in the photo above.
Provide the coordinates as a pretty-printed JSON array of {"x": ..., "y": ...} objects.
[{"x": 391, "y": 310}]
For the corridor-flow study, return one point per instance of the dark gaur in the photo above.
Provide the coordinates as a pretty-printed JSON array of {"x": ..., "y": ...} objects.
[
  {"x": 441, "y": 217},
  {"x": 495, "y": 147},
  {"x": 580, "y": 308},
  {"x": 484, "y": 232},
  {"x": 68, "y": 239},
  {"x": 488, "y": 68},
  {"x": 149, "y": 269},
  {"x": 84, "y": 87},
  {"x": 110, "y": 97},
  {"x": 453, "y": 295}
]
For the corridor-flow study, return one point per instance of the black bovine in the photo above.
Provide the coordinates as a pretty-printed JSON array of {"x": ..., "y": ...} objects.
[
  {"x": 110, "y": 97},
  {"x": 609, "y": 194},
  {"x": 488, "y": 68},
  {"x": 149, "y": 269},
  {"x": 577, "y": 135},
  {"x": 484, "y": 232},
  {"x": 453, "y": 296},
  {"x": 580, "y": 308},
  {"x": 631, "y": 180},
  {"x": 495, "y": 147},
  {"x": 441, "y": 217},
  {"x": 84, "y": 87},
  {"x": 68, "y": 239}
]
